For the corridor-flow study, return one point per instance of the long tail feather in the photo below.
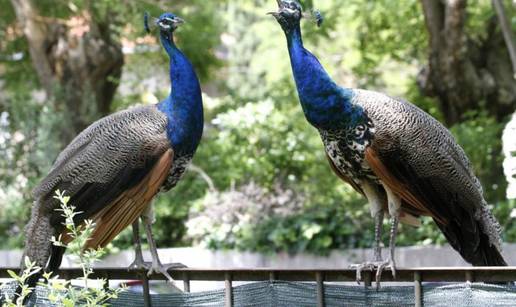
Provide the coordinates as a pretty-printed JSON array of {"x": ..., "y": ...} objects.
[
  {"x": 38, "y": 246},
  {"x": 475, "y": 238}
]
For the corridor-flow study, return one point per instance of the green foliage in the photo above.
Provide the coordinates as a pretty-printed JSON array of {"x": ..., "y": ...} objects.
[
  {"x": 60, "y": 292},
  {"x": 480, "y": 137},
  {"x": 276, "y": 219},
  {"x": 387, "y": 31},
  {"x": 30, "y": 269}
]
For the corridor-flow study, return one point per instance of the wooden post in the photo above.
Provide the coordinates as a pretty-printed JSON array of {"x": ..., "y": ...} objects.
[
  {"x": 229, "y": 290},
  {"x": 469, "y": 276},
  {"x": 320, "y": 288},
  {"x": 146, "y": 291},
  {"x": 418, "y": 294},
  {"x": 367, "y": 276},
  {"x": 186, "y": 282}
]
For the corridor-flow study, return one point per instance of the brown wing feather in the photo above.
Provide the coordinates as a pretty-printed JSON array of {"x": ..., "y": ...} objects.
[
  {"x": 400, "y": 186},
  {"x": 407, "y": 216},
  {"x": 126, "y": 208}
]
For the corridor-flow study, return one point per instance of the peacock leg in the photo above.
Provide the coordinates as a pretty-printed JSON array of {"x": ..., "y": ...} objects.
[
  {"x": 376, "y": 199},
  {"x": 390, "y": 263},
  {"x": 378, "y": 221},
  {"x": 138, "y": 262},
  {"x": 156, "y": 267},
  {"x": 394, "y": 202},
  {"x": 371, "y": 265},
  {"x": 392, "y": 244}
]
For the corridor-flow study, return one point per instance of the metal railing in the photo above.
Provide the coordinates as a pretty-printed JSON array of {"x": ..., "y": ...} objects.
[{"x": 319, "y": 276}]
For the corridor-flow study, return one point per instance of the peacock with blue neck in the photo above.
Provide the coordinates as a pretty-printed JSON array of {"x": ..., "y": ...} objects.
[
  {"x": 325, "y": 104},
  {"x": 401, "y": 159},
  {"x": 183, "y": 106},
  {"x": 114, "y": 168}
]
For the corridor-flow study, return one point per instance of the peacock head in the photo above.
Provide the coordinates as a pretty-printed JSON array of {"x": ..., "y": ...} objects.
[
  {"x": 290, "y": 13},
  {"x": 167, "y": 23}
]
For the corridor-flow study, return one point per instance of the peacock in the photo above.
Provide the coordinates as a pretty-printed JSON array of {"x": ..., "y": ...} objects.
[
  {"x": 401, "y": 159},
  {"x": 113, "y": 169}
]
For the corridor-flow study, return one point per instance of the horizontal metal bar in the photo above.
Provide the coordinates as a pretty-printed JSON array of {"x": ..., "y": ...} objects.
[{"x": 442, "y": 274}]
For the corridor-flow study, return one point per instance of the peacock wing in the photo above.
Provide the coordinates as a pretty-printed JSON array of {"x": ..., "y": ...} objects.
[
  {"x": 118, "y": 162},
  {"x": 417, "y": 157}
]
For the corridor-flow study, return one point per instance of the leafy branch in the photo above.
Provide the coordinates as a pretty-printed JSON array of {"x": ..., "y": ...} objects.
[{"x": 61, "y": 292}]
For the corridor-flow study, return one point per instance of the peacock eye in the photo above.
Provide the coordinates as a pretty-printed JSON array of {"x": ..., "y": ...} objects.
[{"x": 167, "y": 21}]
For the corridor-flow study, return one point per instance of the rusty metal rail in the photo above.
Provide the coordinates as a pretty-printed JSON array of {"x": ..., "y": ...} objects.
[{"x": 415, "y": 275}]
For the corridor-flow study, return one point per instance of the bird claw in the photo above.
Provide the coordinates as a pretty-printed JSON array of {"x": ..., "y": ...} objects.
[
  {"x": 379, "y": 266},
  {"x": 368, "y": 265},
  {"x": 163, "y": 269},
  {"x": 139, "y": 264}
]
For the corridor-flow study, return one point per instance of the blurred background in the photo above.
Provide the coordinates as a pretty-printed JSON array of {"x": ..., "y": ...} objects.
[{"x": 259, "y": 181}]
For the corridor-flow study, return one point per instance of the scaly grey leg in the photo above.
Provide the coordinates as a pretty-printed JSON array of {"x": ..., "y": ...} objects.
[
  {"x": 371, "y": 265},
  {"x": 378, "y": 221},
  {"x": 156, "y": 267},
  {"x": 390, "y": 263},
  {"x": 138, "y": 262},
  {"x": 394, "y": 204}
]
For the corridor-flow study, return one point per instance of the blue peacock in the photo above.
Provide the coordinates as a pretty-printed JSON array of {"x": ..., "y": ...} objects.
[
  {"x": 401, "y": 159},
  {"x": 114, "y": 168}
]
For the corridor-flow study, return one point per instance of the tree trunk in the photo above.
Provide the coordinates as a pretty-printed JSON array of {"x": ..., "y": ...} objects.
[
  {"x": 77, "y": 63},
  {"x": 464, "y": 73},
  {"x": 510, "y": 40}
]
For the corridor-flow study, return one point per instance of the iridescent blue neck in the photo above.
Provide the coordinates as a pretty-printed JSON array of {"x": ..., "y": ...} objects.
[
  {"x": 325, "y": 104},
  {"x": 183, "y": 106}
]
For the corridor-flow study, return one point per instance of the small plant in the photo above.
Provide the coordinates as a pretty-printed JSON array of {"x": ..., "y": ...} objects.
[
  {"x": 30, "y": 269},
  {"x": 61, "y": 292}
]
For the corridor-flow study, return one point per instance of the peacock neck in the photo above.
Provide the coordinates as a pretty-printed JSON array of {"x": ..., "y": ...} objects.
[
  {"x": 183, "y": 106},
  {"x": 325, "y": 104}
]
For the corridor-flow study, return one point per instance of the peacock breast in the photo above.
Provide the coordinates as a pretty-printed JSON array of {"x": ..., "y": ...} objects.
[
  {"x": 346, "y": 148},
  {"x": 178, "y": 169}
]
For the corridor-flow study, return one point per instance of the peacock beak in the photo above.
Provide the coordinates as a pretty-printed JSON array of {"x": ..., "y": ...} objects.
[
  {"x": 275, "y": 14},
  {"x": 178, "y": 21}
]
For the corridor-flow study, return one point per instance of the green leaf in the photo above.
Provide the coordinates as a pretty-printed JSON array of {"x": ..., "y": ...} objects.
[
  {"x": 12, "y": 274},
  {"x": 68, "y": 302}
]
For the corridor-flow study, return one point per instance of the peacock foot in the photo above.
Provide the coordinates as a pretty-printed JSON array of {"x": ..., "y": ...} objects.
[
  {"x": 389, "y": 263},
  {"x": 139, "y": 264},
  {"x": 379, "y": 266},
  {"x": 157, "y": 267}
]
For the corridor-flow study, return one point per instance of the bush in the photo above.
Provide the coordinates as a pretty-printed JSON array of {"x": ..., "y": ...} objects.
[{"x": 62, "y": 293}]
